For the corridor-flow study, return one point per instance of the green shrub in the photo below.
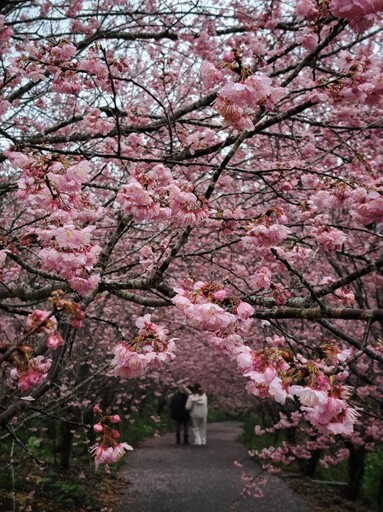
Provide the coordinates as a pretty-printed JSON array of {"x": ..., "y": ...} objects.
[{"x": 373, "y": 478}]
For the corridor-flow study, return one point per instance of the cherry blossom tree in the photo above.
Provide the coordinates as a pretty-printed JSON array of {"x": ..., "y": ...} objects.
[{"x": 182, "y": 174}]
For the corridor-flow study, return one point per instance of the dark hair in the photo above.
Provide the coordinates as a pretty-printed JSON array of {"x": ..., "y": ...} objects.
[{"x": 196, "y": 388}]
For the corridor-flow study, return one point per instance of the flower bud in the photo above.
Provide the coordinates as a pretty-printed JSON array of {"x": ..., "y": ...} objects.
[{"x": 96, "y": 409}]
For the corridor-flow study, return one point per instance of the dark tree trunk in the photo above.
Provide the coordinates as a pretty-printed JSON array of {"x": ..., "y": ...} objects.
[
  {"x": 312, "y": 463},
  {"x": 65, "y": 445},
  {"x": 379, "y": 497},
  {"x": 355, "y": 470}
]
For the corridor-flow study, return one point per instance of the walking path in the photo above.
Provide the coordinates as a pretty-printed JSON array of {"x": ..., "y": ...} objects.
[{"x": 165, "y": 477}]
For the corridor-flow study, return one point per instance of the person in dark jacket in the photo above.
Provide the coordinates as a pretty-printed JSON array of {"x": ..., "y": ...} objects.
[{"x": 179, "y": 414}]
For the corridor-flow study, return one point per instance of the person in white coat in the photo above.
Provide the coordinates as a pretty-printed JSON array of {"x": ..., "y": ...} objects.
[{"x": 197, "y": 405}]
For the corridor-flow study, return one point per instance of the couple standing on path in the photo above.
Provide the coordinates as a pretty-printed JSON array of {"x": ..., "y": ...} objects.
[{"x": 189, "y": 403}]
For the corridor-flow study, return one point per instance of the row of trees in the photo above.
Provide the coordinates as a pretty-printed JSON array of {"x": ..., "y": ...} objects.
[{"x": 178, "y": 177}]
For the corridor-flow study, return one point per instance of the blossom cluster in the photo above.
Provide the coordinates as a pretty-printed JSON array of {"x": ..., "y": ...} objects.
[
  {"x": 65, "y": 64},
  {"x": 44, "y": 322},
  {"x": 267, "y": 230},
  {"x": 209, "y": 307},
  {"x": 150, "y": 349},
  {"x": 275, "y": 373},
  {"x": 56, "y": 186},
  {"x": 360, "y": 13},
  {"x": 72, "y": 309},
  {"x": 238, "y": 101},
  {"x": 29, "y": 371},
  {"x": 107, "y": 450},
  {"x": 364, "y": 205},
  {"x": 272, "y": 372},
  {"x": 157, "y": 196}
]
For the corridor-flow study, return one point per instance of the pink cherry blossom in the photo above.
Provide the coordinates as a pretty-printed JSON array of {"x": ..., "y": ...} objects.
[
  {"x": 280, "y": 294},
  {"x": 261, "y": 278},
  {"x": 68, "y": 237},
  {"x": 54, "y": 340},
  {"x": 306, "y": 8},
  {"x": 63, "y": 51},
  {"x": 187, "y": 209},
  {"x": 233, "y": 114},
  {"x": 353, "y": 9},
  {"x": 330, "y": 239},
  {"x": 109, "y": 454},
  {"x": 211, "y": 76},
  {"x": 209, "y": 317},
  {"x": 84, "y": 285},
  {"x": 45, "y": 318},
  {"x": 33, "y": 374},
  {"x": 334, "y": 416},
  {"x": 262, "y": 385},
  {"x": 266, "y": 236},
  {"x": 136, "y": 201},
  {"x": 150, "y": 349},
  {"x": 245, "y": 358},
  {"x": 229, "y": 344},
  {"x": 95, "y": 123},
  {"x": 243, "y": 311},
  {"x": 308, "y": 396}
]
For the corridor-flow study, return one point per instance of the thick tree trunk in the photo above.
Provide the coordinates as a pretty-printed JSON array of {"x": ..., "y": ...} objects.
[
  {"x": 355, "y": 470},
  {"x": 311, "y": 465},
  {"x": 65, "y": 445},
  {"x": 379, "y": 497}
]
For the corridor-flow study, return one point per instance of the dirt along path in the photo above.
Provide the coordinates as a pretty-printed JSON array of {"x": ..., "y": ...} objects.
[{"x": 164, "y": 477}]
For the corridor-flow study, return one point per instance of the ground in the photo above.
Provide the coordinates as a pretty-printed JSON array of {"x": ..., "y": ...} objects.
[
  {"x": 318, "y": 497},
  {"x": 111, "y": 488},
  {"x": 323, "y": 498}
]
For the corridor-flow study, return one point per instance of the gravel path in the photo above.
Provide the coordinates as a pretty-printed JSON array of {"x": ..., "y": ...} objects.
[{"x": 164, "y": 477}]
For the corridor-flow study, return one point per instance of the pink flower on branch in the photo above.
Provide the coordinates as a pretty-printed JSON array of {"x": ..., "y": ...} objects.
[
  {"x": 54, "y": 340},
  {"x": 31, "y": 372},
  {"x": 209, "y": 307},
  {"x": 276, "y": 373},
  {"x": 267, "y": 230},
  {"x": 69, "y": 237},
  {"x": 138, "y": 202},
  {"x": 209, "y": 317},
  {"x": 73, "y": 265},
  {"x": 366, "y": 205},
  {"x": 55, "y": 185},
  {"x": 306, "y": 8},
  {"x": 330, "y": 239},
  {"x": 308, "y": 396},
  {"x": 355, "y": 9},
  {"x": 334, "y": 416},
  {"x": 261, "y": 279},
  {"x": 45, "y": 318},
  {"x": 108, "y": 450},
  {"x": 186, "y": 208},
  {"x": 44, "y": 322},
  {"x": 211, "y": 76},
  {"x": 63, "y": 51},
  {"x": 150, "y": 349},
  {"x": 238, "y": 102},
  {"x": 109, "y": 454},
  {"x": 262, "y": 385}
]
